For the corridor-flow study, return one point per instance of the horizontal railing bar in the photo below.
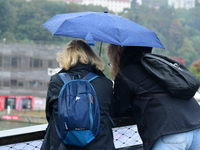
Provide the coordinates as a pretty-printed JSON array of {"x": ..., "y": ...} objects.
[
  {"x": 135, "y": 147},
  {"x": 22, "y": 134},
  {"x": 125, "y": 121},
  {"x": 37, "y": 132},
  {"x": 22, "y": 130}
]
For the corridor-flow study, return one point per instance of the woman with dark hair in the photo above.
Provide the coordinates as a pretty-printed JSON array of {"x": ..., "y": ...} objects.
[
  {"x": 79, "y": 58},
  {"x": 164, "y": 122}
]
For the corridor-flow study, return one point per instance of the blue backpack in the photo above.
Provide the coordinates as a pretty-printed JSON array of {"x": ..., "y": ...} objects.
[{"x": 78, "y": 110}]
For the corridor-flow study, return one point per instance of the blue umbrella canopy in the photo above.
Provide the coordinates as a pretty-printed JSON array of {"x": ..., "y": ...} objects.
[{"x": 103, "y": 27}]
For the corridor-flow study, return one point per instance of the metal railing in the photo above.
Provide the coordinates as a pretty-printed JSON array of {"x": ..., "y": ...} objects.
[{"x": 125, "y": 134}]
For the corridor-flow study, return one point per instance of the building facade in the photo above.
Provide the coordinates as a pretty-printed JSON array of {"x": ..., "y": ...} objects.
[
  {"x": 187, "y": 4},
  {"x": 24, "y": 68},
  {"x": 139, "y": 2}
]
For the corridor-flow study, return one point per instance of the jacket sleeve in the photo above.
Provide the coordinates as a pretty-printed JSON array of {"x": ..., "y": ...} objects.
[
  {"x": 122, "y": 95},
  {"x": 54, "y": 88}
]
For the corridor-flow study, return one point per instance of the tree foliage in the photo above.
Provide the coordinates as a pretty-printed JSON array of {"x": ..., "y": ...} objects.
[
  {"x": 180, "y": 60},
  {"x": 178, "y": 29},
  {"x": 195, "y": 69},
  {"x": 8, "y": 20}
]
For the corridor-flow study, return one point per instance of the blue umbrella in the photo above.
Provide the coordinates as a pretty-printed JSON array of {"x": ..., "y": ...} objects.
[{"x": 103, "y": 27}]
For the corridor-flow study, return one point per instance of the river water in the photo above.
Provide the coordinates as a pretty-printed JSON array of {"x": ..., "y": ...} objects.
[{"x": 5, "y": 125}]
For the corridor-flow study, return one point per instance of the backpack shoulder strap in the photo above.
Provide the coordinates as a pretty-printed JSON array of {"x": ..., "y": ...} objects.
[
  {"x": 90, "y": 76},
  {"x": 65, "y": 77}
]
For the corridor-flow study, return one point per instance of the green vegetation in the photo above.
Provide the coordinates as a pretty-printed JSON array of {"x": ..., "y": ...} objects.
[
  {"x": 195, "y": 68},
  {"x": 178, "y": 29}
]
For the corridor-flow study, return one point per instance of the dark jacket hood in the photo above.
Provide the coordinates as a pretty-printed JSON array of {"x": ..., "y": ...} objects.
[{"x": 133, "y": 54}]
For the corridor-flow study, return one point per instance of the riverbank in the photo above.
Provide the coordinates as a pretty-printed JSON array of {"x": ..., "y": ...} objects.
[
  {"x": 25, "y": 116},
  {"x": 7, "y": 125}
]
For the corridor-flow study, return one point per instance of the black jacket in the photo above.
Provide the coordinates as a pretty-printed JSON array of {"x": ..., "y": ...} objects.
[
  {"x": 155, "y": 115},
  {"x": 103, "y": 88}
]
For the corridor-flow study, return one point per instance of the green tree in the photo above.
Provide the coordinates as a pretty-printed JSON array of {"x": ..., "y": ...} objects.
[
  {"x": 7, "y": 19},
  {"x": 195, "y": 68},
  {"x": 175, "y": 36},
  {"x": 196, "y": 14},
  {"x": 32, "y": 15},
  {"x": 191, "y": 17},
  {"x": 188, "y": 52},
  {"x": 196, "y": 44},
  {"x": 22, "y": 20}
]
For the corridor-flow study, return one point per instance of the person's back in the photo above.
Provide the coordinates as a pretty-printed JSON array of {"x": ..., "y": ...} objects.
[
  {"x": 156, "y": 112},
  {"x": 158, "y": 115},
  {"x": 103, "y": 88}
]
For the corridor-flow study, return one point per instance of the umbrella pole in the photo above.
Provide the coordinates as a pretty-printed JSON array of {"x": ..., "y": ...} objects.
[{"x": 100, "y": 49}]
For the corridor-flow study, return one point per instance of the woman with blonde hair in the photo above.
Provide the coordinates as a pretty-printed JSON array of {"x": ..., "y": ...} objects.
[
  {"x": 76, "y": 52},
  {"x": 164, "y": 122},
  {"x": 79, "y": 58}
]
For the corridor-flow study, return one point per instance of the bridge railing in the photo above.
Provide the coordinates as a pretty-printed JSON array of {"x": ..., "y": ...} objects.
[{"x": 30, "y": 138}]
